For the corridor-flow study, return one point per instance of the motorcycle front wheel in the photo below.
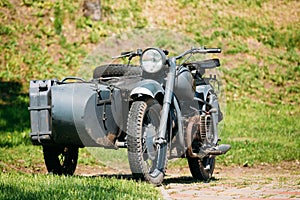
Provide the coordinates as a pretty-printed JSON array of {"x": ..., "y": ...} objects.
[
  {"x": 147, "y": 160},
  {"x": 60, "y": 160}
]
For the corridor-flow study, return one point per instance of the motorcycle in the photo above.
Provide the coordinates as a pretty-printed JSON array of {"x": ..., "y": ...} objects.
[{"x": 156, "y": 105}]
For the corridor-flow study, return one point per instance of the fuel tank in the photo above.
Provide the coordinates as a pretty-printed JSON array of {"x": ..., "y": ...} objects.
[{"x": 184, "y": 85}]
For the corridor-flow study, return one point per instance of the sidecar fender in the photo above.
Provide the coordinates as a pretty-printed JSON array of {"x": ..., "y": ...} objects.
[{"x": 147, "y": 87}]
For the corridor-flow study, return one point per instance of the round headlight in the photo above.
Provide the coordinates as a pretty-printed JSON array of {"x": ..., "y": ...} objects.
[{"x": 153, "y": 60}]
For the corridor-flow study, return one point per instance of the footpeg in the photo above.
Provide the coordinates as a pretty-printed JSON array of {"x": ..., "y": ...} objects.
[{"x": 218, "y": 150}]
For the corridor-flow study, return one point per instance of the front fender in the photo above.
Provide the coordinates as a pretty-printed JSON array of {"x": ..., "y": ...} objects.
[{"x": 147, "y": 87}]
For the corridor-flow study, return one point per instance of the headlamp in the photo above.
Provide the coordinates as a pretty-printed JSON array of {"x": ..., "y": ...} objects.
[{"x": 153, "y": 60}]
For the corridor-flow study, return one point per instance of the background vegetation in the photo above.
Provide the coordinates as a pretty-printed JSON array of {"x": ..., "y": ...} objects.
[{"x": 42, "y": 39}]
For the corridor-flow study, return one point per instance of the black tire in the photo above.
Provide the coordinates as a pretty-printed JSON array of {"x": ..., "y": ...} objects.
[
  {"x": 116, "y": 70},
  {"x": 147, "y": 160},
  {"x": 202, "y": 169},
  {"x": 60, "y": 160}
]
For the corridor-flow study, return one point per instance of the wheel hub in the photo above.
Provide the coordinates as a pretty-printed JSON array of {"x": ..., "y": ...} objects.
[{"x": 150, "y": 134}]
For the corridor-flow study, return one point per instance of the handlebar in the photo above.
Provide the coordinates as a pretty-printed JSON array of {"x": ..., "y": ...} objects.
[
  {"x": 200, "y": 50},
  {"x": 129, "y": 54},
  {"x": 214, "y": 50}
]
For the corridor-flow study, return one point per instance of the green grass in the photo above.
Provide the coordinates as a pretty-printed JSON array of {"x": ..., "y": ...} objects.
[
  {"x": 260, "y": 133},
  {"x": 27, "y": 158},
  {"x": 27, "y": 186}
]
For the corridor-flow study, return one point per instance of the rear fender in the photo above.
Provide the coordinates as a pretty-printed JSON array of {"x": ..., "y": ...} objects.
[{"x": 202, "y": 91}]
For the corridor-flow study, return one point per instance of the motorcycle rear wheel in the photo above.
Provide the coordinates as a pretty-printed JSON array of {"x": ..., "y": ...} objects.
[
  {"x": 60, "y": 160},
  {"x": 202, "y": 169},
  {"x": 147, "y": 160}
]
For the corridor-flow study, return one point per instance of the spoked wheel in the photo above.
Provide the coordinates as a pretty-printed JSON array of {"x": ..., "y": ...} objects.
[
  {"x": 202, "y": 169},
  {"x": 147, "y": 160},
  {"x": 203, "y": 134},
  {"x": 60, "y": 160}
]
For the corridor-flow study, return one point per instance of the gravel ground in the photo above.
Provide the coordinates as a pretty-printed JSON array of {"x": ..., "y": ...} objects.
[
  {"x": 244, "y": 183},
  {"x": 261, "y": 182}
]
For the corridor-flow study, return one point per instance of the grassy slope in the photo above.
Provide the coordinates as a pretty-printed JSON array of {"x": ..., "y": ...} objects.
[{"x": 260, "y": 41}]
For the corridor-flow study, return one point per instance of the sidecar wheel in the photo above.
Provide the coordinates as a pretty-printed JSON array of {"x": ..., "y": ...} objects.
[
  {"x": 116, "y": 70},
  {"x": 202, "y": 169},
  {"x": 147, "y": 160},
  {"x": 60, "y": 160}
]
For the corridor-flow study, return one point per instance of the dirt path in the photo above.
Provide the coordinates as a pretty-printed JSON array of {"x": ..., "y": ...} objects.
[
  {"x": 263, "y": 182},
  {"x": 244, "y": 183}
]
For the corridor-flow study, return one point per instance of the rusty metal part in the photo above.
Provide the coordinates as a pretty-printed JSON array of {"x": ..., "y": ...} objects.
[
  {"x": 201, "y": 122},
  {"x": 108, "y": 141},
  {"x": 195, "y": 120}
]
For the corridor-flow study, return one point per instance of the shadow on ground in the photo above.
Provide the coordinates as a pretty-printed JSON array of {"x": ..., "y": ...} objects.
[
  {"x": 14, "y": 114},
  {"x": 167, "y": 180}
]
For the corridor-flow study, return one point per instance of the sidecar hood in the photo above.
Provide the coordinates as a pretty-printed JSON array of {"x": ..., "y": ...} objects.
[{"x": 82, "y": 114}]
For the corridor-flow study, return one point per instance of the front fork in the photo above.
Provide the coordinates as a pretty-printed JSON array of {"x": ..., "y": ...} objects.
[{"x": 161, "y": 139}]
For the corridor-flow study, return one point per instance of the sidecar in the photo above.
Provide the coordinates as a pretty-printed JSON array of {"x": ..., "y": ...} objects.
[
  {"x": 73, "y": 113},
  {"x": 70, "y": 113}
]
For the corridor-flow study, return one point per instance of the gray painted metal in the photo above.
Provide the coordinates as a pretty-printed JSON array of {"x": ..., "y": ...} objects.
[
  {"x": 71, "y": 114},
  {"x": 147, "y": 87},
  {"x": 40, "y": 111},
  {"x": 82, "y": 115}
]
